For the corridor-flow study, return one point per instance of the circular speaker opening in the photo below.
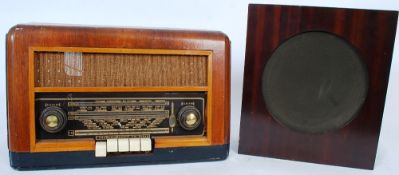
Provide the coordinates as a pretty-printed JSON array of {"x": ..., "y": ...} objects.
[{"x": 314, "y": 82}]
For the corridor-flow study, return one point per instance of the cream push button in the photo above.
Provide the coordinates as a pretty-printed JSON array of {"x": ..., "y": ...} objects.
[
  {"x": 101, "y": 149},
  {"x": 146, "y": 144},
  {"x": 112, "y": 145},
  {"x": 123, "y": 145},
  {"x": 134, "y": 144}
]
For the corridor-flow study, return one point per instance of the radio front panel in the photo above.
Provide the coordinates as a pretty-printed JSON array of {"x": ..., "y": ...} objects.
[{"x": 102, "y": 116}]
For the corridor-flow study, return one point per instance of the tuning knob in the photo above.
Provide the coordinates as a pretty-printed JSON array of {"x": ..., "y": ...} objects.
[
  {"x": 53, "y": 119},
  {"x": 189, "y": 117}
]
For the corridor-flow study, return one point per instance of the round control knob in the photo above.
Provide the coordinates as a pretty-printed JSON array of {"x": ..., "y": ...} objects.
[
  {"x": 189, "y": 117},
  {"x": 53, "y": 119}
]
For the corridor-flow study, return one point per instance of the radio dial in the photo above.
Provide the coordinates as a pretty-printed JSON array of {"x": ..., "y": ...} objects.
[
  {"x": 53, "y": 119},
  {"x": 189, "y": 117}
]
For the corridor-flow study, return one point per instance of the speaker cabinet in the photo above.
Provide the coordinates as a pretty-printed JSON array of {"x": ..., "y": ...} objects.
[{"x": 315, "y": 81}]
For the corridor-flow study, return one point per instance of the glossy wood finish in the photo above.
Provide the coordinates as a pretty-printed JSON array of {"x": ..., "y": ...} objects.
[
  {"x": 64, "y": 145},
  {"x": 370, "y": 32},
  {"x": 21, "y": 39},
  {"x": 88, "y": 144}
]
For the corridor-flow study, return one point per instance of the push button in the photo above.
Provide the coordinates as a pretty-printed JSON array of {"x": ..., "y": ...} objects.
[
  {"x": 101, "y": 149},
  {"x": 123, "y": 145},
  {"x": 146, "y": 144},
  {"x": 112, "y": 145},
  {"x": 134, "y": 144}
]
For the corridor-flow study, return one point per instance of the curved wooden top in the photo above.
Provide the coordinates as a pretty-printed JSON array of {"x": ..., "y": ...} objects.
[{"x": 22, "y": 37}]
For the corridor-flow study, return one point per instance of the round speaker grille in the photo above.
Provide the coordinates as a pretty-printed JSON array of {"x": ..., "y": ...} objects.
[{"x": 314, "y": 82}]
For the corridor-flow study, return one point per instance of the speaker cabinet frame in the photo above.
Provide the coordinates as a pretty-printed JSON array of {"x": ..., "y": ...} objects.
[{"x": 372, "y": 34}]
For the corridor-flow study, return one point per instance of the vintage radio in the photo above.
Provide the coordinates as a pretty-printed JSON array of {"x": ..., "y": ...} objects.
[
  {"x": 315, "y": 81},
  {"x": 90, "y": 96}
]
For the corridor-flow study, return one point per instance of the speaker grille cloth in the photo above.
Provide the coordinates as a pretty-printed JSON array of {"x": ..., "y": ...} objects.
[
  {"x": 75, "y": 69},
  {"x": 314, "y": 82}
]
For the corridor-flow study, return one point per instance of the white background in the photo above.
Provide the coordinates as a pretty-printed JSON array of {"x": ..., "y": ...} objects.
[{"x": 227, "y": 16}]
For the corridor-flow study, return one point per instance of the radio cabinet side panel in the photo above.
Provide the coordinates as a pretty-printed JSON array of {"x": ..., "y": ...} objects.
[
  {"x": 227, "y": 90},
  {"x": 17, "y": 90},
  {"x": 22, "y": 37}
]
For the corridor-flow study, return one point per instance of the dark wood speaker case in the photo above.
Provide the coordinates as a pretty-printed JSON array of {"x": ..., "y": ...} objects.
[{"x": 372, "y": 34}]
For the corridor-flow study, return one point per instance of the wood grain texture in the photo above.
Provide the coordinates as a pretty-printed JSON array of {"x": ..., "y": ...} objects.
[
  {"x": 370, "y": 32},
  {"x": 56, "y": 145},
  {"x": 82, "y": 69},
  {"x": 123, "y": 89},
  {"x": 23, "y": 37}
]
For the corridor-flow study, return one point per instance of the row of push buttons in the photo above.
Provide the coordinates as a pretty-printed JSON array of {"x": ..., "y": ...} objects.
[{"x": 123, "y": 145}]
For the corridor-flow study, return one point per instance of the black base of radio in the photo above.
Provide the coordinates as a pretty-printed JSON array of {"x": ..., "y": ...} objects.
[{"x": 58, "y": 160}]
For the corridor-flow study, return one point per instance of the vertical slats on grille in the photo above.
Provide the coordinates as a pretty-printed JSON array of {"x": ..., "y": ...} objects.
[{"x": 73, "y": 69}]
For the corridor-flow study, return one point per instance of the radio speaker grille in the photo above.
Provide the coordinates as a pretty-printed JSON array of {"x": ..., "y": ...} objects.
[{"x": 76, "y": 69}]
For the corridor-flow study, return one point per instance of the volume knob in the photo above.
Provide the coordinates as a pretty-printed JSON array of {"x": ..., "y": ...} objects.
[
  {"x": 189, "y": 117},
  {"x": 53, "y": 119}
]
